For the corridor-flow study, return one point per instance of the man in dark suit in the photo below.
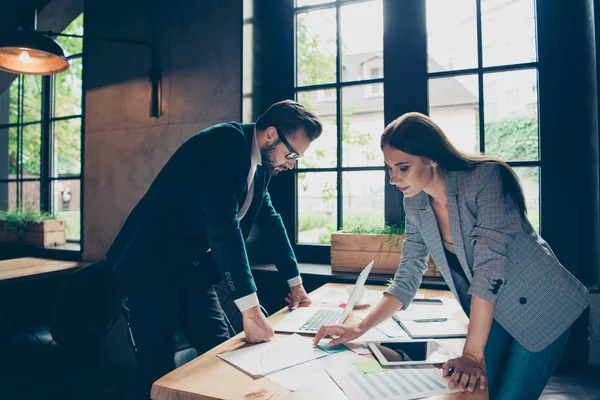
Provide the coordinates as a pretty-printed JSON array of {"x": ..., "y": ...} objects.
[{"x": 188, "y": 233}]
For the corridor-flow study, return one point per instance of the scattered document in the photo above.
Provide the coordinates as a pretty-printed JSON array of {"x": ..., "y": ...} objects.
[
  {"x": 426, "y": 328},
  {"x": 309, "y": 373},
  {"x": 359, "y": 345},
  {"x": 265, "y": 358},
  {"x": 390, "y": 328},
  {"x": 397, "y": 383}
]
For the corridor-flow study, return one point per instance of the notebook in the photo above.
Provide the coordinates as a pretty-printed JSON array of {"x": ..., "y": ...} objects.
[{"x": 430, "y": 328}]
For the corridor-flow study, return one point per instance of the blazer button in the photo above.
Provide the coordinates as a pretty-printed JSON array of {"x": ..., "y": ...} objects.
[
  {"x": 195, "y": 263},
  {"x": 522, "y": 300}
]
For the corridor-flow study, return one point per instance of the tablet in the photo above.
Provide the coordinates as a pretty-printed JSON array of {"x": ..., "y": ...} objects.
[{"x": 395, "y": 352}]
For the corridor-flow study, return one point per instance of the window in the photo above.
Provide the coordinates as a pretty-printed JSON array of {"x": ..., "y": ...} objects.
[
  {"x": 40, "y": 140},
  {"x": 339, "y": 68},
  {"x": 483, "y": 83}
]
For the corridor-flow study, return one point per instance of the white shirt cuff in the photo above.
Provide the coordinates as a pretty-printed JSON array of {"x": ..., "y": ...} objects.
[
  {"x": 247, "y": 302},
  {"x": 295, "y": 281}
]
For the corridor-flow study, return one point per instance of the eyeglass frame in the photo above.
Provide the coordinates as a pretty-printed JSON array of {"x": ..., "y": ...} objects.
[{"x": 293, "y": 154}]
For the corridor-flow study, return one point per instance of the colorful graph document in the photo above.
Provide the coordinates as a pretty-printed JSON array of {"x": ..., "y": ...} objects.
[
  {"x": 310, "y": 373},
  {"x": 397, "y": 383},
  {"x": 265, "y": 358}
]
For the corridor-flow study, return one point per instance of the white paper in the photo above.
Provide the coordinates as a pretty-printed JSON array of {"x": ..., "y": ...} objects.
[
  {"x": 433, "y": 329},
  {"x": 265, "y": 358},
  {"x": 300, "y": 376},
  {"x": 390, "y": 328},
  {"x": 398, "y": 383},
  {"x": 359, "y": 345}
]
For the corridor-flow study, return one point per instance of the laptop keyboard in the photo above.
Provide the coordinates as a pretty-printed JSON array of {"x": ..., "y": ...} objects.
[{"x": 320, "y": 318}]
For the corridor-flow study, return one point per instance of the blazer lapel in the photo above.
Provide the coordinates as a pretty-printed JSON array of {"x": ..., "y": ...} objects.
[
  {"x": 453, "y": 214},
  {"x": 430, "y": 232}
]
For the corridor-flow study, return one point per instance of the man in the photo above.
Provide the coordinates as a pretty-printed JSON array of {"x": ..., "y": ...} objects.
[{"x": 188, "y": 233}]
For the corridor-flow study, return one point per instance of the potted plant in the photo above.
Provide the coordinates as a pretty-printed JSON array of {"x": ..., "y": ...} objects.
[
  {"x": 352, "y": 250},
  {"x": 31, "y": 227}
]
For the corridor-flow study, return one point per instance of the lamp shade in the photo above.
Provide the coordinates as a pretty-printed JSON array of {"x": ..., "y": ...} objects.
[{"x": 31, "y": 52}]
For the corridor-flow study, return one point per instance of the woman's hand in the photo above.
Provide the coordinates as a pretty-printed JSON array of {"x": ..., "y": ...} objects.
[
  {"x": 466, "y": 372},
  {"x": 345, "y": 333}
]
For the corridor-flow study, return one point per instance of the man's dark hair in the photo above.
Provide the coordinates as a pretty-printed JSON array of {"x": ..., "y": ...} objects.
[{"x": 287, "y": 117}]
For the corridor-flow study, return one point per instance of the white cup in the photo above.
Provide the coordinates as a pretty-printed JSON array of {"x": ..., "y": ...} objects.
[{"x": 361, "y": 294}]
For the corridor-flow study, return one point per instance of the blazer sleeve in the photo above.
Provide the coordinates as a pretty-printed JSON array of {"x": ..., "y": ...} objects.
[
  {"x": 498, "y": 221},
  {"x": 220, "y": 180},
  {"x": 270, "y": 225},
  {"x": 412, "y": 266}
]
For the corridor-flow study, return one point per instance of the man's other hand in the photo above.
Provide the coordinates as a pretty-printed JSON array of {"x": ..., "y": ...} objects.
[
  {"x": 297, "y": 297},
  {"x": 256, "y": 326}
]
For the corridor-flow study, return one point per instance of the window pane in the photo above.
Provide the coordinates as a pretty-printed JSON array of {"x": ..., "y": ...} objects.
[
  {"x": 451, "y": 35},
  {"x": 31, "y": 151},
  {"x": 73, "y": 45},
  {"x": 362, "y": 49},
  {"x": 362, "y": 125},
  {"x": 67, "y": 90},
  {"x": 317, "y": 207},
  {"x": 530, "y": 182},
  {"x": 65, "y": 203},
  {"x": 363, "y": 199},
  {"x": 32, "y": 100},
  {"x": 247, "y": 59},
  {"x": 8, "y": 196},
  {"x": 13, "y": 107},
  {"x": 30, "y": 196},
  {"x": 323, "y": 151},
  {"x": 302, "y": 3},
  {"x": 8, "y": 153},
  {"x": 511, "y": 117},
  {"x": 316, "y": 47},
  {"x": 247, "y": 110},
  {"x": 454, "y": 106},
  {"x": 67, "y": 147},
  {"x": 508, "y": 31}
]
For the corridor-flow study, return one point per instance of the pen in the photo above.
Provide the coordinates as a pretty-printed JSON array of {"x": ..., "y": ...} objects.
[{"x": 431, "y": 320}]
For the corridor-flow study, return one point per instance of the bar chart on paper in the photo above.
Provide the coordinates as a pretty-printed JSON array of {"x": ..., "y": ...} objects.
[{"x": 397, "y": 383}]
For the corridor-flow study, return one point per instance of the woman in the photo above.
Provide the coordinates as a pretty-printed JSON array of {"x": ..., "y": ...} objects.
[{"x": 469, "y": 213}]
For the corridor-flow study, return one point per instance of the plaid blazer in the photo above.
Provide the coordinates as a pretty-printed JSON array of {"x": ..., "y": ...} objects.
[{"x": 506, "y": 262}]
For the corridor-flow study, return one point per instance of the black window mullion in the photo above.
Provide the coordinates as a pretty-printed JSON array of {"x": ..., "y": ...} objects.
[
  {"x": 46, "y": 145},
  {"x": 480, "y": 78},
  {"x": 19, "y": 169}
]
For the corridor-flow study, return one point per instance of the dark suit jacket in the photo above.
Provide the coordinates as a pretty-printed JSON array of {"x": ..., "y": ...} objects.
[{"x": 191, "y": 207}]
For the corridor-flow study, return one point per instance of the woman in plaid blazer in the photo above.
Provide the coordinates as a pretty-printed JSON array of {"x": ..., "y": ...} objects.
[{"x": 469, "y": 214}]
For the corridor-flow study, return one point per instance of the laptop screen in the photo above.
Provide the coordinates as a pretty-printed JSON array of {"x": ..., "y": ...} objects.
[{"x": 357, "y": 291}]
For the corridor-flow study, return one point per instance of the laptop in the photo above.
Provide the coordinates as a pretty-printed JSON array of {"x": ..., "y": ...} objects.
[{"x": 310, "y": 319}]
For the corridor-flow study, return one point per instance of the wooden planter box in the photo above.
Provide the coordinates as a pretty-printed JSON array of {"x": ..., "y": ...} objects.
[
  {"x": 351, "y": 252},
  {"x": 45, "y": 233}
]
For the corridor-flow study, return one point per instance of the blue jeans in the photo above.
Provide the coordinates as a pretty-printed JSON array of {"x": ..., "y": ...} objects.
[{"x": 513, "y": 372}]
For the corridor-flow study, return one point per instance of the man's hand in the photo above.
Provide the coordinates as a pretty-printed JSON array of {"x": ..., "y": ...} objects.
[
  {"x": 256, "y": 326},
  {"x": 297, "y": 297}
]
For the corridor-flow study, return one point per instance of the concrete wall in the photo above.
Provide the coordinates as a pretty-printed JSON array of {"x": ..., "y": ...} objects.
[{"x": 199, "y": 46}]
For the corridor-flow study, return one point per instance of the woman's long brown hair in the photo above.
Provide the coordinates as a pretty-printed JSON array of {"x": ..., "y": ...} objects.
[{"x": 417, "y": 134}]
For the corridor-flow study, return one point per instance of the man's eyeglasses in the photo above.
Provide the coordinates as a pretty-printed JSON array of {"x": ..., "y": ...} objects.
[{"x": 293, "y": 154}]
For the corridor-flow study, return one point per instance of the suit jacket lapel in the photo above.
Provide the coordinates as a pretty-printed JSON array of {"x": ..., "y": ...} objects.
[{"x": 455, "y": 226}]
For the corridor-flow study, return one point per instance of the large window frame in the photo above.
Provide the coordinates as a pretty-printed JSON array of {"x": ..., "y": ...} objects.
[
  {"x": 48, "y": 178},
  {"x": 564, "y": 88}
]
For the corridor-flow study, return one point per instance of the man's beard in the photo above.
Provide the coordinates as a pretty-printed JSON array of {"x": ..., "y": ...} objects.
[{"x": 267, "y": 156}]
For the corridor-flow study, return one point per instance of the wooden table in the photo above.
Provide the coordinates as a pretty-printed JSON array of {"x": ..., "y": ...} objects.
[
  {"x": 209, "y": 377},
  {"x": 19, "y": 269}
]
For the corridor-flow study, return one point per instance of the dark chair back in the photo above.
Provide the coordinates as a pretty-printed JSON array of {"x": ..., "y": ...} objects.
[{"x": 86, "y": 306}]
